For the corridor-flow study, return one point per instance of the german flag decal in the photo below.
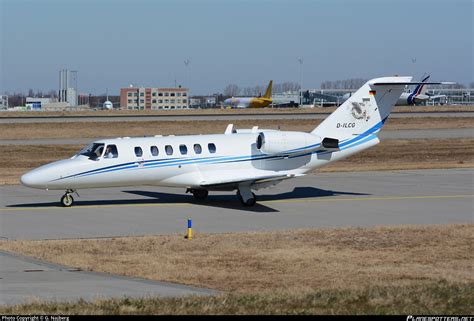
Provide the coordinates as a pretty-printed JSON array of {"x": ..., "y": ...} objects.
[{"x": 372, "y": 92}]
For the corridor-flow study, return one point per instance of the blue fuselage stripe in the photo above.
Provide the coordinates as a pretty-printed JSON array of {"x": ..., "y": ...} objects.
[{"x": 352, "y": 142}]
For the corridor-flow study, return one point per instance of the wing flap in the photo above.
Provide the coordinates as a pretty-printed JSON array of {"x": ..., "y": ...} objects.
[{"x": 251, "y": 180}]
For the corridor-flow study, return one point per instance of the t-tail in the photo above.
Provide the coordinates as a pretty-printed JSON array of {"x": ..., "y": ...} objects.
[
  {"x": 268, "y": 92},
  {"x": 357, "y": 121}
]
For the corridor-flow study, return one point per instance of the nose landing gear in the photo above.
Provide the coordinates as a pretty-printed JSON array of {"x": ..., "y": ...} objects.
[{"x": 67, "y": 200}]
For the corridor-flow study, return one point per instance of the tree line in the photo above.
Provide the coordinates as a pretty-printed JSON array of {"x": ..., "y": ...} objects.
[{"x": 259, "y": 90}]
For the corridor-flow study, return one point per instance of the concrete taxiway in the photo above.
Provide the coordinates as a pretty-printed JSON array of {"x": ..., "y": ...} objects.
[
  {"x": 23, "y": 279},
  {"x": 320, "y": 200}
]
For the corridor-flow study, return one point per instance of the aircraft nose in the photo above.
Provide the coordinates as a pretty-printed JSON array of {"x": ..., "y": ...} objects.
[{"x": 33, "y": 179}]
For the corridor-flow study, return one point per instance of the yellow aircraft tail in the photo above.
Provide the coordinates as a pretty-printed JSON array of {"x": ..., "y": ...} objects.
[{"x": 268, "y": 92}]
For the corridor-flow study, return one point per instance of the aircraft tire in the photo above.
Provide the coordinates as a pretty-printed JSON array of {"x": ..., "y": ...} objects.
[
  {"x": 250, "y": 202},
  {"x": 67, "y": 200}
]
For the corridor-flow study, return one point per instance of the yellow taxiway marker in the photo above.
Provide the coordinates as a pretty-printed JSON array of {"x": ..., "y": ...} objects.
[{"x": 302, "y": 200}]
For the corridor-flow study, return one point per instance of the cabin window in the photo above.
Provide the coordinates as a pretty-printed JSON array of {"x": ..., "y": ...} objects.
[
  {"x": 169, "y": 150},
  {"x": 138, "y": 151},
  {"x": 197, "y": 149},
  {"x": 212, "y": 148},
  {"x": 183, "y": 149},
  {"x": 154, "y": 150},
  {"x": 111, "y": 152}
]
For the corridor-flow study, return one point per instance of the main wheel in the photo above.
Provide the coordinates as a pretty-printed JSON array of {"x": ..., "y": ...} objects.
[
  {"x": 67, "y": 200},
  {"x": 250, "y": 202},
  {"x": 200, "y": 194}
]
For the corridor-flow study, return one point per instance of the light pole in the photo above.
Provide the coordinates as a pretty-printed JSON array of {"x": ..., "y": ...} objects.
[
  {"x": 300, "y": 60},
  {"x": 187, "y": 61}
]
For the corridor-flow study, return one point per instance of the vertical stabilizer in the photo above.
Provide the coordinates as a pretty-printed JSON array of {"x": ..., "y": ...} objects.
[
  {"x": 268, "y": 92},
  {"x": 365, "y": 112}
]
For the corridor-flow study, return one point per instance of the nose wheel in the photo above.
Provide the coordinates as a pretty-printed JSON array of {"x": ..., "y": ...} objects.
[{"x": 67, "y": 200}]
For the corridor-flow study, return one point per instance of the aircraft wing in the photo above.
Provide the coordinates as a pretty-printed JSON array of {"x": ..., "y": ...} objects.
[
  {"x": 431, "y": 97},
  {"x": 232, "y": 183},
  {"x": 420, "y": 98}
]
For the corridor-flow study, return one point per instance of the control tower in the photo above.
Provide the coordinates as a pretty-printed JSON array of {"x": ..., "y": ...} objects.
[{"x": 68, "y": 86}]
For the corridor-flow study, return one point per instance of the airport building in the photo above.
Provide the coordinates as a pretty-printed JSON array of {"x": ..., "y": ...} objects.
[
  {"x": 35, "y": 103},
  {"x": 154, "y": 98},
  {"x": 3, "y": 101}
]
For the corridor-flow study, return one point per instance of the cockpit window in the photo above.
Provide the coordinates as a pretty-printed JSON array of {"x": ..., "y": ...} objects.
[
  {"x": 111, "y": 151},
  {"x": 93, "y": 151}
]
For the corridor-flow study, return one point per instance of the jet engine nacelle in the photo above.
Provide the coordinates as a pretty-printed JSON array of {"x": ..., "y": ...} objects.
[{"x": 276, "y": 142}]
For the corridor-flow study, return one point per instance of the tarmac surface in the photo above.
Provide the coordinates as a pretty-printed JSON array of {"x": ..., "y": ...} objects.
[
  {"x": 320, "y": 200},
  {"x": 230, "y": 117},
  {"x": 23, "y": 279},
  {"x": 384, "y": 135}
]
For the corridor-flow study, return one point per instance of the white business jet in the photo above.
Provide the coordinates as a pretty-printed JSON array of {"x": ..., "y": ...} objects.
[{"x": 242, "y": 160}]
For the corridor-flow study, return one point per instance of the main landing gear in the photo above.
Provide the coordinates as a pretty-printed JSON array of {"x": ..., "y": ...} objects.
[
  {"x": 67, "y": 200},
  {"x": 199, "y": 194},
  {"x": 245, "y": 195}
]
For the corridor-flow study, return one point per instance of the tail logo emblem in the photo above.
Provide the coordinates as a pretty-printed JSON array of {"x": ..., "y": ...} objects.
[{"x": 359, "y": 111}]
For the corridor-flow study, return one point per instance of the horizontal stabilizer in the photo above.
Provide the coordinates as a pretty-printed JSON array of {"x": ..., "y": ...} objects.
[{"x": 411, "y": 83}]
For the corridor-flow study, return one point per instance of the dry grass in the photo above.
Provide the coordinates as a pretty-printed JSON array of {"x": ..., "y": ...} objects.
[
  {"x": 142, "y": 128},
  {"x": 435, "y": 298},
  {"x": 405, "y": 109},
  {"x": 410, "y": 154},
  {"x": 298, "y": 261},
  {"x": 15, "y": 160}
]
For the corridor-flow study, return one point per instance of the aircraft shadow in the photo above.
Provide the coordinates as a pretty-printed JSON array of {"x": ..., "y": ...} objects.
[
  {"x": 227, "y": 201},
  {"x": 230, "y": 201}
]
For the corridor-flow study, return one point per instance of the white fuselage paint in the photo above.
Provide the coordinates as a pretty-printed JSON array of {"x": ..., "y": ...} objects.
[
  {"x": 238, "y": 102},
  {"x": 236, "y": 156}
]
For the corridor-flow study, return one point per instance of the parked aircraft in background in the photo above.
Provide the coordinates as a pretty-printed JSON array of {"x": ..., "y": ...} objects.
[
  {"x": 242, "y": 160},
  {"x": 418, "y": 95},
  {"x": 107, "y": 105},
  {"x": 251, "y": 102}
]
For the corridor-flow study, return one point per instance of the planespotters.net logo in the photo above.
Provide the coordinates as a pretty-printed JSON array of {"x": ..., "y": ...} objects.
[{"x": 438, "y": 318}]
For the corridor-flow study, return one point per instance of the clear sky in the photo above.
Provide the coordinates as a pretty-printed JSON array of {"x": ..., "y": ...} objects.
[{"x": 114, "y": 43}]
